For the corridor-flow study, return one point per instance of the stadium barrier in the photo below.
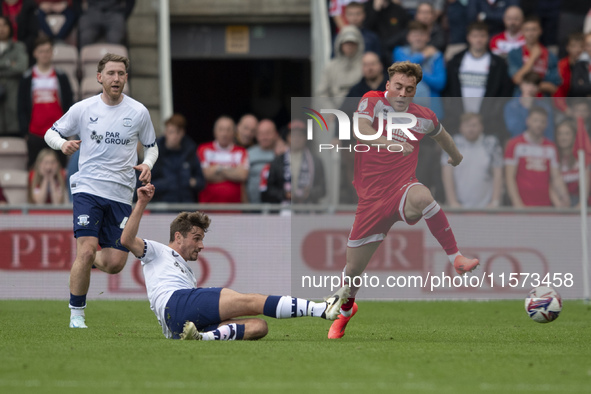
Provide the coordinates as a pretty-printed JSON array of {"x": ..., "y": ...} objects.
[{"x": 274, "y": 254}]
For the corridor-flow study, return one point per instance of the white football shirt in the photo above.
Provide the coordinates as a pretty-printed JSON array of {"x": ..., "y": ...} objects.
[
  {"x": 109, "y": 136},
  {"x": 165, "y": 272}
]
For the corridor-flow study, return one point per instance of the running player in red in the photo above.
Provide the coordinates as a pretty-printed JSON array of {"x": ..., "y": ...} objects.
[{"x": 386, "y": 184}]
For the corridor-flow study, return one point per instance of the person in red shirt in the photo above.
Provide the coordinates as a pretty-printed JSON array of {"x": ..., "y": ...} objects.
[
  {"x": 531, "y": 166},
  {"x": 386, "y": 183},
  {"x": 512, "y": 38},
  {"x": 225, "y": 165},
  {"x": 44, "y": 95}
]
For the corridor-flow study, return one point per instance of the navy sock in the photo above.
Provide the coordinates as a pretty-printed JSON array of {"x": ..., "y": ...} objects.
[
  {"x": 239, "y": 331},
  {"x": 78, "y": 301},
  {"x": 270, "y": 308}
]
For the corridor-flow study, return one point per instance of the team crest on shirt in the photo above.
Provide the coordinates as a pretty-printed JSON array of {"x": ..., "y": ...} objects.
[
  {"x": 362, "y": 105},
  {"x": 83, "y": 220},
  {"x": 126, "y": 122}
]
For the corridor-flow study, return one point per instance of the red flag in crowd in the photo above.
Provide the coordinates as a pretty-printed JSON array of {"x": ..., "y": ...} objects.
[{"x": 582, "y": 141}]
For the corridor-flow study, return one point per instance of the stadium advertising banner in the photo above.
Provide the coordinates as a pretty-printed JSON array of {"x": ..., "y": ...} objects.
[{"x": 304, "y": 255}]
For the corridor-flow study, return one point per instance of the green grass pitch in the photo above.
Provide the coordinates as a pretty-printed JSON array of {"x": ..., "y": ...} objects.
[{"x": 403, "y": 347}]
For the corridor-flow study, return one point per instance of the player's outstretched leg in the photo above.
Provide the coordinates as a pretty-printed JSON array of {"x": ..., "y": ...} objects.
[{"x": 420, "y": 202}]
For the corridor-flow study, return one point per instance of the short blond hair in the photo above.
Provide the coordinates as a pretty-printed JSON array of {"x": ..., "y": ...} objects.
[
  {"x": 407, "y": 68},
  {"x": 111, "y": 57}
]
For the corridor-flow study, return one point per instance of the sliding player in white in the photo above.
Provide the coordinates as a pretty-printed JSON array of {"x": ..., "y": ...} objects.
[
  {"x": 109, "y": 125},
  {"x": 188, "y": 312}
]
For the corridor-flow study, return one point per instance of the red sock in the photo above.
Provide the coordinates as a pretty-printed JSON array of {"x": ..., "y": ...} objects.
[
  {"x": 440, "y": 228},
  {"x": 349, "y": 304}
]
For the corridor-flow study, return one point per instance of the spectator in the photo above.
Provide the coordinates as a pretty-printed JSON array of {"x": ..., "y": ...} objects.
[
  {"x": 245, "y": 130},
  {"x": 296, "y": 176},
  {"x": 478, "y": 182},
  {"x": 579, "y": 108},
  {"x": 533, "y": 56},
  {"x": 425, "y": 13},
  {"x": 260, "y": 155},
  {"x": 23, "y": 19},
  {"x": 574, "y": 50},
  {"x": 177, "y": 174},
  {"x": 489, "y": 12},
  {"x": 13, "y": 62},
  {"x": 44, "y": 95},
  {"x": 518, "y": 108},
  {"x": 355, "y": 16},
  {"x": 476, "y": 73},
  {"x": 430, "y": 59},
  {"x": 374, "y": 78},
  {"x": 571, "y": 20},
  {"x": 69, "y": 9},
  {"x": 387, "y": 18},
  {"x": 566, "y": 132},
  {"x": 224, "y": 164},
  {"x": 512, "y": 37},
  {"x": 48, "y": 181},
  {"x": 532, "y": 172},
  {"x": 107, "y": 17},
  {"x": 344, "y": 70},
  {"x": 580, "y": 85},
  {"x": 457, "y": 16},
  {"x": 336, "y": 10},
  {"x": 412, "y": 7}
]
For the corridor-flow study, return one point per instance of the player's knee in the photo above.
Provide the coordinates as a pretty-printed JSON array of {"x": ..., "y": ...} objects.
[
  {"x": 421, "y": 199},
  {"x": 256, "y": 329},
  {"x": 114, "y": 267},
  {"x": 86, "y": 255}
]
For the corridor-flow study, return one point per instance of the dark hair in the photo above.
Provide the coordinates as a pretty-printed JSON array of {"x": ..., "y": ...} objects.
[
  {"x": 532, "y": 77},
  {"x": 9, "y": 23},
  {"x": 177, "y": 120},
  {"x": 111, "y": 57},
  {"x": 185, "y": 221},
  {"x": 42, "y": 40},
  {"x": 478, "y": 25},
  {"x": 532, "y": 18},
  {"x": 417, "y": 26},
  {"x": 355, "y": 4},
  {"x": 574, "y": 37},
  {"x": 537, "y": 110}
]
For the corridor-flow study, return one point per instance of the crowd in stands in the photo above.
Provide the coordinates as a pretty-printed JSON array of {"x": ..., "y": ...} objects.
[{"x": 508, "y": 79}]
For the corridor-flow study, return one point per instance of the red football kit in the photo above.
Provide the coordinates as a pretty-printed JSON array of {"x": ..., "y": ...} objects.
[{"x": 382, "y": 178}]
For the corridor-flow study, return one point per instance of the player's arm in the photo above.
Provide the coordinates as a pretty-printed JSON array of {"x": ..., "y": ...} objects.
[
  {"x": 446, "y": 142},
  {"x": 129, "y": 237},
  {"x": 511, "y": 181},
  {"x": 55, "y": 141},
  {"x": 558, "y": 191}
]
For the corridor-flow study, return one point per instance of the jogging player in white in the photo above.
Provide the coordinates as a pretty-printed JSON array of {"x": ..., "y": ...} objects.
[
  {"x": 187, "y": 312},
  {"x": 109, "y": 125}
]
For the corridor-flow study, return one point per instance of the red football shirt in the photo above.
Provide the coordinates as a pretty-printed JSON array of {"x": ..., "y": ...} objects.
[
  {"x": 502, "y": 43},
  {"x": 541, "y": 64},
  {"x": 379, "y": 171},
  {"x": 46, "y": 105},
  {"x": 533, "y": 162},
  {"x": 212, "y": 153}
]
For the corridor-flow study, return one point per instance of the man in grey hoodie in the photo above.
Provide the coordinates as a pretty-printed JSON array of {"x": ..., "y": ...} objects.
[{"x": 344, "y": 71}]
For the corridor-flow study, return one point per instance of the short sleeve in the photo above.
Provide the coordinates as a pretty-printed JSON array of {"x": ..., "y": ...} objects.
[
  {"x": 147, "y": 133},
  {"x": 366, "y": 107},
  {"x": 67, "y": 125},
  {"x": 244, "y": 162},
  {"x": 202, "y": 156},
  {"x": 149, "y": 252}
]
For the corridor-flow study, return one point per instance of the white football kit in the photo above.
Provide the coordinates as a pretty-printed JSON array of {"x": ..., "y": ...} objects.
[
  {"x": 109, "y": 136},
  {"x": 161, "y": 266}
]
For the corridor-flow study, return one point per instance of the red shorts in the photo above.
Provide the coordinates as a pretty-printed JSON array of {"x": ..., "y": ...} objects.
[{"x": 373, "y": 219}]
